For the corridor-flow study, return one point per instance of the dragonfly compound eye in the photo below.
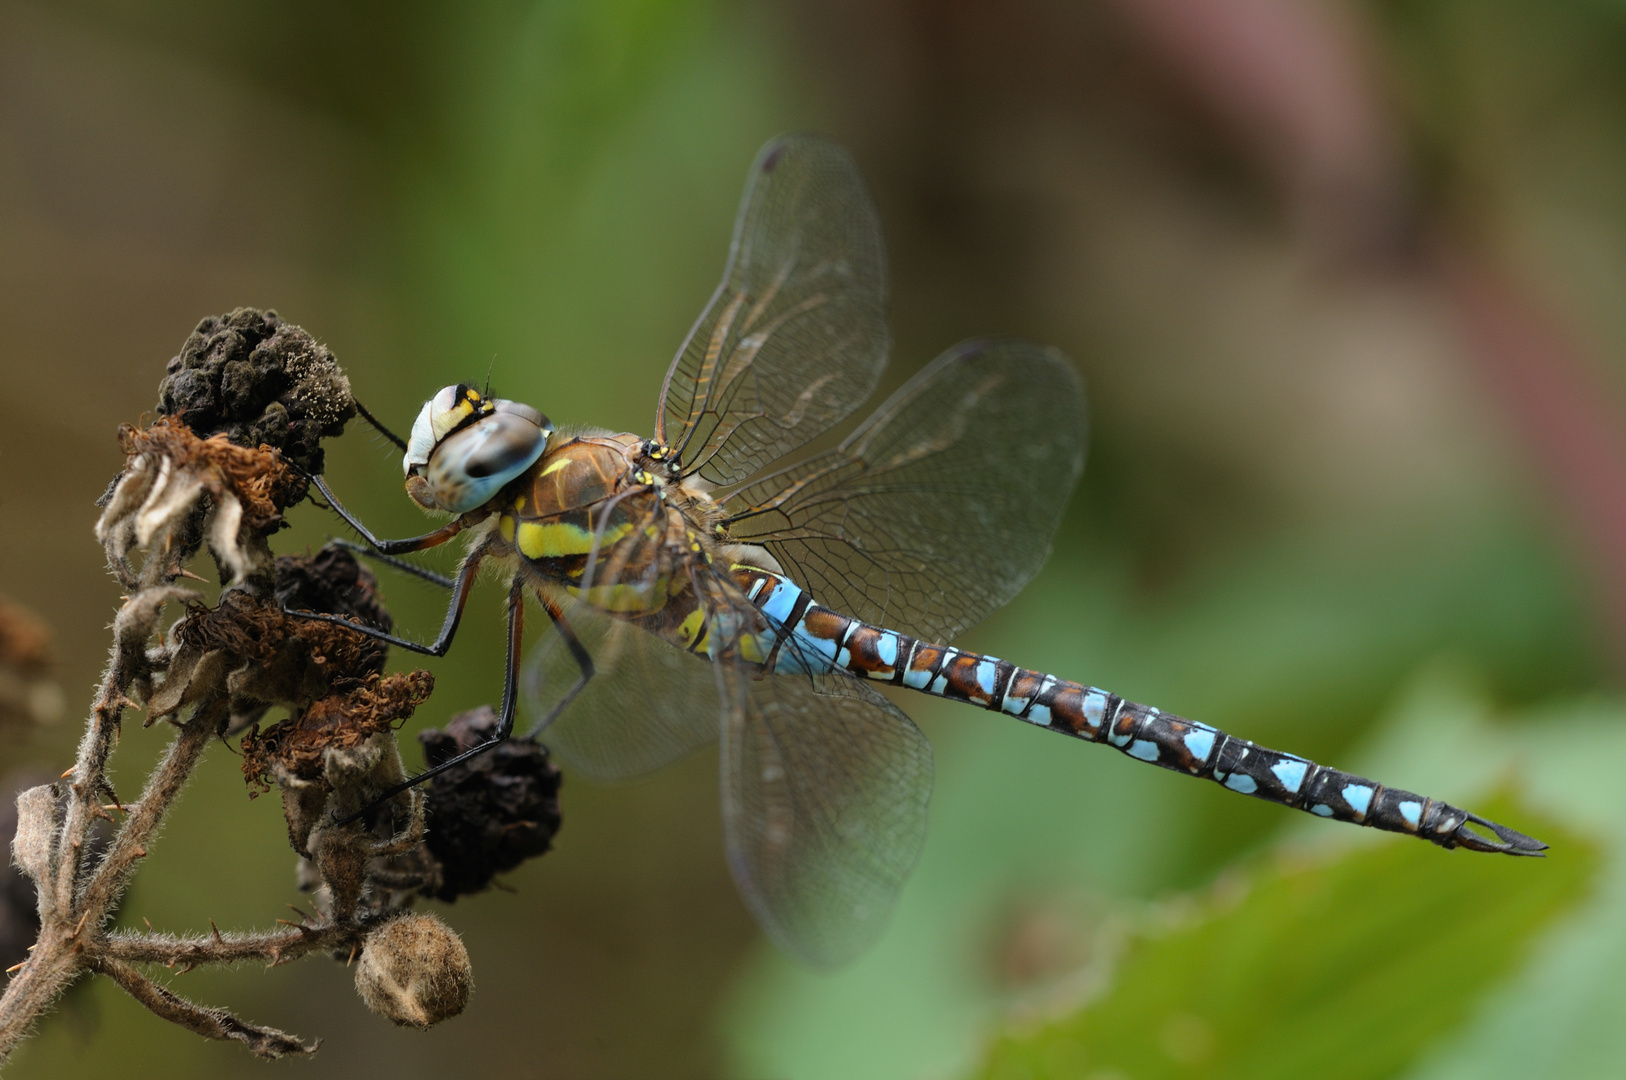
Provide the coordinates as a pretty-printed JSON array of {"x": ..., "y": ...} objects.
[{"x": 470, "y": 466}]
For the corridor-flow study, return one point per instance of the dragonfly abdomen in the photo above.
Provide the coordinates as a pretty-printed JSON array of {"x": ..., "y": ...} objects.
[{"x": 816, "y": 640}]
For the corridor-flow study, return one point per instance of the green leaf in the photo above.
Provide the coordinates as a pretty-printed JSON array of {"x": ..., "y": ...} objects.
[{"x": 1343, "y": 967}]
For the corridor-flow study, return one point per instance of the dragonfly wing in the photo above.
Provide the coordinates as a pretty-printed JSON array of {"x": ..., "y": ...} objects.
[
  {"x": 941, "y": 506},
  {"x": 824, "y": 787},
  {"x": 795, "y": 337},
  {"x": 648, "y": 704}
]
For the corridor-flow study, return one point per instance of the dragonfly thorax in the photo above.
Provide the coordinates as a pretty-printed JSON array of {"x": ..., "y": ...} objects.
[{"x": 465, "y": 447}]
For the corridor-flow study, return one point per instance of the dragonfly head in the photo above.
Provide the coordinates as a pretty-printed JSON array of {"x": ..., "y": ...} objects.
[{"x": 465, "y": 446}]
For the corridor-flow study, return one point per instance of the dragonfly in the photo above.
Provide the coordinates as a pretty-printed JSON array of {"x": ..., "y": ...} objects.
[{"x": 744, "y": 577}]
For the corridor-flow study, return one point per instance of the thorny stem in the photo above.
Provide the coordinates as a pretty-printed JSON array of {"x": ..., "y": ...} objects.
[
  {"x": 71, "y": 938},
  {"x": 210, "y": 1023},
  {"x": 166, "y": 781},
  {"x": 227, "y": 948},
  {"x": 55, "y": 961},
  {"x": 78, "y": 896}
]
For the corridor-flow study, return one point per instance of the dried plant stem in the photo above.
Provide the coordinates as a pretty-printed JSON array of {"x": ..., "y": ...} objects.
[
  {"x": 78, "y": 894},
  {"x": 210, "y": 1023},
  {"x": 57, "y": 958},
  {"x": 274, "y": 948},
  {"x": 130, "y": 845}
]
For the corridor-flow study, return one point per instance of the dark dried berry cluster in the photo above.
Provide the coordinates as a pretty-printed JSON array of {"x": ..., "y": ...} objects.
[
  {"x": 331, "y": 581},
  {"x": 259, "y": 381},
  {"x": 492, "y": 813}
]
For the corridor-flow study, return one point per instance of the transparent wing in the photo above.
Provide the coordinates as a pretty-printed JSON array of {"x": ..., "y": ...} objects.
[
  {"x": 941, "y": 506},
  {"x": 824, "y": 782},
  {"x": 648, "y": 704},
  {"x": 824, "y": 786},
  {"x": 795, "y": 337}
]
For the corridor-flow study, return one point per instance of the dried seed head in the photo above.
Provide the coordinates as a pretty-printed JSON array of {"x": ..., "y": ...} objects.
[
  {"x": 25, "y": 641},
  {"x": 35, "y": 830},
  {"x": 331, "y": 581},
  {"x": 491, "y": 813},
  {"x": 414, "y": 971},
  {"x": 27, "y": 696},
  {"x": 19, "y": 905},
  {"x": 295, "y": 748},
  {"x": 258, "y": 381},
  {"x": 178, "y": 490},
  {"x": 250, "y": 649}
]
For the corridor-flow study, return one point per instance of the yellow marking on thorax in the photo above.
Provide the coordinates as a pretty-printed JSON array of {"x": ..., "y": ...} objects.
[
  {"x": 555, "y": 466},
  {"x": 694, "y": 625},
  {"x": 751, "y": 649},
  {"x": 505, "y": 525},
  {"x": 557, "y": 539}
]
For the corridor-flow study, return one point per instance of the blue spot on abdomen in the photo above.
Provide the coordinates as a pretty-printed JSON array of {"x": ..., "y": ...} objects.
[
  {"x": 1290, "y": 771},
  {"x": 1200, "y": 741},
  {"x": 1144, "y": 749}
]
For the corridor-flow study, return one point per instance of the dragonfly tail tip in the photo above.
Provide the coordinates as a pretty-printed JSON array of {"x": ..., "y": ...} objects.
[{"x": 1508, "y": 841}]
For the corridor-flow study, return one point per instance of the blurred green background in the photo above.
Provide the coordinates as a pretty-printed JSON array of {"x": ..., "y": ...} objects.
[{"x": 1344, "y": 280}]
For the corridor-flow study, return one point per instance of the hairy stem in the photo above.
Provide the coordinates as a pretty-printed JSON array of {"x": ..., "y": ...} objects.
[
  {"x": 166, "y": 781},
  {"x": 210, "y": 1023},
  {"x": 71, "y": 918},
  {"x": 194, "y": 950}
]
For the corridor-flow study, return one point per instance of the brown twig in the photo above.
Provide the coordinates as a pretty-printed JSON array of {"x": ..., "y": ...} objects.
[
  {"x": 267, "y": 1042},
  {"x": 196, "y": 950}
]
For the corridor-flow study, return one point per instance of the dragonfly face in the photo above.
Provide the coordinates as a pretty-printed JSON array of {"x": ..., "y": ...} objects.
[{"x": 465, "y": 447}]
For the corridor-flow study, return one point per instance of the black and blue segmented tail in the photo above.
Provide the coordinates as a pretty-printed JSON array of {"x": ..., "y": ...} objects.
[{"x": 831, "y": 641}]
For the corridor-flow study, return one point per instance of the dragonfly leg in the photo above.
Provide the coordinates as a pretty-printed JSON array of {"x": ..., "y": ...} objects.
[
  {"x": 400, "y": 564},
  {"x": 505, "y": 718},
  {"x": 390, "y": 547},
  {"x": 578, "y": 652},
  {"x": 448, "y": 629}
]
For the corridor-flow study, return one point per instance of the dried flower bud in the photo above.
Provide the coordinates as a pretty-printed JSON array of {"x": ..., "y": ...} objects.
[
  {"x": 261, "y": 656},
  {"x": 414, "y": 971},
  {"x": 259, "y": 381},
  {"x": 491, "y": 813},
  {"x": 342, "y": 721},
  {"x": 158, "y": 501},
  {"x": 19, "y": 909},
  {"x": 26, "y": 695},
  {"x": 35, "y": 830}
]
